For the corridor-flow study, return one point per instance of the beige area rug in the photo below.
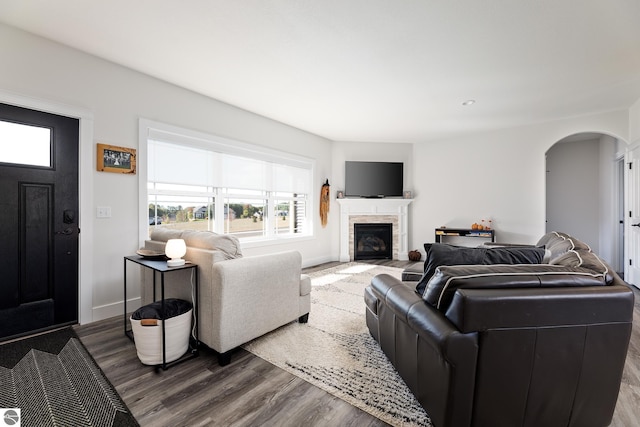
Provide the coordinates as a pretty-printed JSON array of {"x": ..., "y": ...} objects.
[{"x": 336, "y": 352}]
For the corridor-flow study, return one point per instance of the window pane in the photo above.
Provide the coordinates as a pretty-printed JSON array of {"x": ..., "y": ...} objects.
[
  {"x": 290, "y": 216},
  {"x": 244, "y": 217},
  {"x": 25, "y": 145},
  {"x": 183, "y": 213}
]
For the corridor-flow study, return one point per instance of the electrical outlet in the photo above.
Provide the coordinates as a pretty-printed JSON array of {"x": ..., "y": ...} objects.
[{"x": 103, "y": 212}]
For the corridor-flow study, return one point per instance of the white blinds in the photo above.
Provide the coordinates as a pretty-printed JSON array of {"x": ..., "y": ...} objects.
[
  {"x": 177, "y": 164},
  {"x": 242, "y": 172},
  {"x": 180, "y": 163},
  {"x": 291, "y": 179}
]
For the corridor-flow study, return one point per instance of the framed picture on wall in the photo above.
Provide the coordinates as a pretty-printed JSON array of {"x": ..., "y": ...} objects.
[{"x": 110, "y": 158}]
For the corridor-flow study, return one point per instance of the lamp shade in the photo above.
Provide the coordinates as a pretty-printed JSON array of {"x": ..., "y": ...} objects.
[{"x": 175, "y": 249}]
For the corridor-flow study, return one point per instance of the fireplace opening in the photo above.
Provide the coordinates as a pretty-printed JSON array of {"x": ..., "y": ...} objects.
[{"x": 372, "y": 241}]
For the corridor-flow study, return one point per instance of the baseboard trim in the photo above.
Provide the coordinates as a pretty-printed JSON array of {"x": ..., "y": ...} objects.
[
  {"x": 317, "y": 261},
  {"x": 115, "y": 309}
]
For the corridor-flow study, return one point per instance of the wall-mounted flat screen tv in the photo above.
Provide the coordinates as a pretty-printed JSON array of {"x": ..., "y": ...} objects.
[{"x": 373, "y": 179}]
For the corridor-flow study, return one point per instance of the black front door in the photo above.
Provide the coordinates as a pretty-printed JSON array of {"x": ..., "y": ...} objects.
[{"x": 38, "y": 221}]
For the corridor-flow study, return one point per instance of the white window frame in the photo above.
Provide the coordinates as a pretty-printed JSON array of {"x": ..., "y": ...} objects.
[{"x": 148, "y": 129}]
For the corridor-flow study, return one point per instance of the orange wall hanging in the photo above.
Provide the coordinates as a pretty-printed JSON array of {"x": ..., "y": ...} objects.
[{"x": 324, "y": 203}]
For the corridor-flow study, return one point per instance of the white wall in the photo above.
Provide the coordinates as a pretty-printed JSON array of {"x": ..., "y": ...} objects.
[
  {"x": 497, "y": 174},
  {"x": 116, "y": 97},
  {"x": 573, "y": 189},
  {"x": 634, "y": 122}
]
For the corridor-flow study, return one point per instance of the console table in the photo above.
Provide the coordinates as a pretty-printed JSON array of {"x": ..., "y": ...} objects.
[
  {"x": 160, "y": 266},
  {"x": 464, "y": 232}
]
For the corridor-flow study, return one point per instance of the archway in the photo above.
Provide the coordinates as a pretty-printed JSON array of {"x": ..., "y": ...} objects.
[{"x": 585, "y": 192}]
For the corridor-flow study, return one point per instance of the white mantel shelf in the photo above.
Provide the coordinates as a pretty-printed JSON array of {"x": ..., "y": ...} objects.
[{"x": 374, "y": 207}]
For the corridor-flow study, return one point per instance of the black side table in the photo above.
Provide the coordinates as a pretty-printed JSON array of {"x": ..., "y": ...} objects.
[{"x": 160, "y": 266}]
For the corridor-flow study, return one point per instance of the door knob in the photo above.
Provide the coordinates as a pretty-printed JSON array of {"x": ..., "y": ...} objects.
[{"x": 636, "y": 225}]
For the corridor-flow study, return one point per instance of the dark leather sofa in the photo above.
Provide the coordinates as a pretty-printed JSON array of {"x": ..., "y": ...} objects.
[{"x": 533, "y": 344}]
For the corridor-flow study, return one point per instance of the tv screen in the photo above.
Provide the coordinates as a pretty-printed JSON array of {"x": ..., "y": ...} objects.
[{"x": 373, "y": 179}]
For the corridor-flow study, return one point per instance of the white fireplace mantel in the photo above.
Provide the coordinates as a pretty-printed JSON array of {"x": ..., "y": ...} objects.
[{"x": 397, "y": 208}]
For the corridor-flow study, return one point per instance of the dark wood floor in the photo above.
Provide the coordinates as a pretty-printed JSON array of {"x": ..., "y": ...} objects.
[{"x": 253, "y": 392}]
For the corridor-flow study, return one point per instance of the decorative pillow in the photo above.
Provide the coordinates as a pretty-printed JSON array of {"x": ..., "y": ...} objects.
[
  {"x": 585, "y": 259},
  {"x": 439, "y": 254},
  {"x": 548, "y": 239},
  {"x": 162, "y": 234},
  {"x": 227, "y": 244},
  {"x": 559, "y": 243},
  {"x": 559, "y": 248},
  {"x": 577, "y": 244}
]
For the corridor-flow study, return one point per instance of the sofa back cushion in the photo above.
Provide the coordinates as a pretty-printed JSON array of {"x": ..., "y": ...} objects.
[
  {"x": 439, "y": 254},
  {"x": 226, "y": 244},
  {"x": 448, "y": 279}
]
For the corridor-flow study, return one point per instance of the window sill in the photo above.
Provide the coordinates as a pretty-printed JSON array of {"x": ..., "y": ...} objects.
[{"x": 256, "y": 243}]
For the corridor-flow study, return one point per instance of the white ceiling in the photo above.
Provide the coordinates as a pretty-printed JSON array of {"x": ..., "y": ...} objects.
[{"x": 368, "y": 70}]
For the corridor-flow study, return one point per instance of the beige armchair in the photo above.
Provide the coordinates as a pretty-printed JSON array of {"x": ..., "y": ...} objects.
[{"x": 240, "y": 298}]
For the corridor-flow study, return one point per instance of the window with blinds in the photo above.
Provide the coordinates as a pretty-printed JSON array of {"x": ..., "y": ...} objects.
[{"x": 204, "y": 182}]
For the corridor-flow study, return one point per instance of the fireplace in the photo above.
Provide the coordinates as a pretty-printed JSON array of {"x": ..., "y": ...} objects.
[
  {"x": 373, "y": 241},
  {"x": 374, "y": 211}
]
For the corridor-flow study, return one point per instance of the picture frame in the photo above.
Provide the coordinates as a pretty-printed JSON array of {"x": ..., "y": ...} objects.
[
  {"x": 406, "y": 194},
  {"x": 110, "y": 158},
  {"x": 340, "y": 194}
]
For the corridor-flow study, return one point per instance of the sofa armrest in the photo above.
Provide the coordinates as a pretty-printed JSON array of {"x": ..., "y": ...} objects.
[
  {"x": 570, "y": 340},
  {"x": 437, "y": 362},
  {"x": 475, "y": 310},
  {"x": 408, "y": 306}
]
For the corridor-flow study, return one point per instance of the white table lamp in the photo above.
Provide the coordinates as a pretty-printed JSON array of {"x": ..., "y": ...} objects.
[{"x": 175, "y": 249}]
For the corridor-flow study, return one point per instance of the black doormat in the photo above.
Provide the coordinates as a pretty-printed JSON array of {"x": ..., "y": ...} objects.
[{"x": 53, "y": 380}]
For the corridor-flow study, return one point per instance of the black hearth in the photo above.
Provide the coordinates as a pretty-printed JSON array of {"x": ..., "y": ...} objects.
[{"x": 372, "y": 241}]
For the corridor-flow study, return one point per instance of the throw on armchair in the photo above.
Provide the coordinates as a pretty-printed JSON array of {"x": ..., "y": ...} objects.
[
  {"x": 527, "y": 344},
  {"x": 240, "y": 298}
]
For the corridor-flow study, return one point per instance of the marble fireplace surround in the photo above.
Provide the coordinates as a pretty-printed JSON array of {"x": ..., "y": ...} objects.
[{"x": 370, "y": 211}]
